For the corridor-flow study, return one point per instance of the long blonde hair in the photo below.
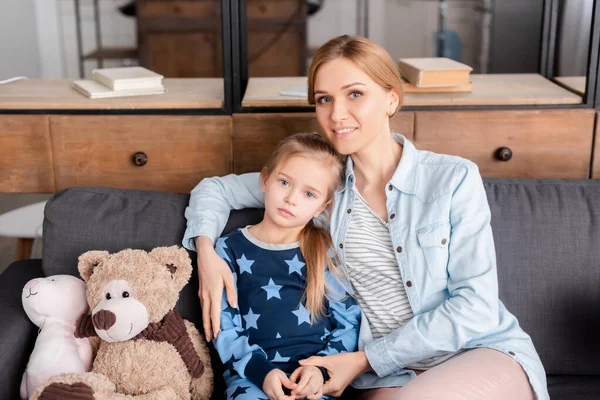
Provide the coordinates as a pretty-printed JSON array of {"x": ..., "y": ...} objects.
[
  {"x": 315, "y": 242},
  {"x": 371, "y": 58}
]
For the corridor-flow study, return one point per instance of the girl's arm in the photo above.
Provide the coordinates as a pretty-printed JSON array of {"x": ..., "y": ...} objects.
[
  {"x": 472, "y": 308},
  {"x": 249, "y": 361},
  {"x": 207, "y": 213},
  {"x": 346, "y": 313}
]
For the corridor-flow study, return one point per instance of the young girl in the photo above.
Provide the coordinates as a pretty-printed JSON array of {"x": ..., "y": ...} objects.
[{"x": 292, "y": 301}]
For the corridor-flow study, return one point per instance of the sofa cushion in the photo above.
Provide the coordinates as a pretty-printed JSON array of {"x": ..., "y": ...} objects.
[
  {"x": 546, "y": 232},
  {"x": 81, "y": 219},
  {"x": 547, "y": 237},
  {"x": 577, "y": 387}
]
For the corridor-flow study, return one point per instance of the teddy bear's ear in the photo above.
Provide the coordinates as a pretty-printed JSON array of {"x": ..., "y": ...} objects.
[
  {"x": 90, "y": 260},
  {"x": 175, "y": 260}
]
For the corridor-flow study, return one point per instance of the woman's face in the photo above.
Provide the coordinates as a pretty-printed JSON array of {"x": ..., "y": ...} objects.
[{"x": 352, "y": 109}]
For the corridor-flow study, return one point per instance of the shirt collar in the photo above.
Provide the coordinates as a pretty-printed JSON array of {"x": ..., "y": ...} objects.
[{"x": 405, "y": 176}]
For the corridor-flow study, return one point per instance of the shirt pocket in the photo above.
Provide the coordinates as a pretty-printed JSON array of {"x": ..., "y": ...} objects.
[{"x": 434, "y": 240}]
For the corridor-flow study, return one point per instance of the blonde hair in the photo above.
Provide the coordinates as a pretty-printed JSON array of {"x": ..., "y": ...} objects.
[
  {"x": 315, "y": 242},
  {"x": 371, "y": 58}
]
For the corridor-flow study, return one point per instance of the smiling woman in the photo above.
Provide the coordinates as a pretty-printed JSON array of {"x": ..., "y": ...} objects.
[
  {"x": 358, "y": 88},
  {"x": 412, "y": 231}
]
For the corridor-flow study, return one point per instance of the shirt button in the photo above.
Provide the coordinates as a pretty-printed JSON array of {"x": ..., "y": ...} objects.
[
  {"x": 408, "y": 283},
  {"x": 341, "y": 246},
  {"x": 392, "y": 216},
  {"x": 390, "y": 187},
  {"x": 399, "y": 249},
  {"x": 511, "y": 353},
  {"x": 443, "y": 241},
  {"x": 349, "y": 211}
]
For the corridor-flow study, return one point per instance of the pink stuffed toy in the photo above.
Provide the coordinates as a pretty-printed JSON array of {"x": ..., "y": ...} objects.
[{"x": 55, "y": 304}]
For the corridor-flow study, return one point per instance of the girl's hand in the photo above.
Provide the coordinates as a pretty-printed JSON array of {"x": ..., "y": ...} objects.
[
  {"x": 213, "y": 275},
  {"x": 310, "y": 384},
  {"x": 274, "y": 383},
  {"x": 342, "y": 369}
]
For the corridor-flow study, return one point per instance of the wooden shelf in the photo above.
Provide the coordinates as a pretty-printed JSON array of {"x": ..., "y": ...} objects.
[
  {"x": 112, "y": 53},
  {"x": 58, "y": 94},
  {"x": 573, "y": 83},
  {"x": 488, "y": 90}
]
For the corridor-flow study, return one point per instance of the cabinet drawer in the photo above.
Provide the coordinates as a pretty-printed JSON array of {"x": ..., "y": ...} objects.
[
  {"x": 25, "y": 154},
  {"x": 255, "y": 136},
  {"x": 543, "y": 143},
  {"x": 178, "y": 151}
]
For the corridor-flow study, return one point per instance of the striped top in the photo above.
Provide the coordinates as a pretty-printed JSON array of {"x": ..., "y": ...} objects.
[{"x": 375, "y": 276}]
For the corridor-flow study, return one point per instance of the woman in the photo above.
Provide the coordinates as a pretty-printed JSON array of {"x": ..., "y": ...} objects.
[{"x": 413, "y": 228}]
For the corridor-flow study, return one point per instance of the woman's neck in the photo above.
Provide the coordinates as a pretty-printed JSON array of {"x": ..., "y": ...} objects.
[
  {"x": 375, "y": 164},
  {"x": 269, "y": 232}
]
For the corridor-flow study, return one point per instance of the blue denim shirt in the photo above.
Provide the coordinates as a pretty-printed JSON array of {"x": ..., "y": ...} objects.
[{"x": 445, "y": 252}]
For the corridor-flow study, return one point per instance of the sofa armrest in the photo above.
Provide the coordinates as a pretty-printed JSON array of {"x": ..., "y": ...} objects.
[{"x": 17, "y": 332}]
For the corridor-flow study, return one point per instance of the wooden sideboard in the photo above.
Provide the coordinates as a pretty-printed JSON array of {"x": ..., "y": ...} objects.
[{"x": 46, "y": 152}]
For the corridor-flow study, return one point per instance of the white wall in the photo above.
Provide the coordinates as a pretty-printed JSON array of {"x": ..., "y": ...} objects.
[
  {"x": 19, "y": 51},
  {"x": 38, "y": 37}
]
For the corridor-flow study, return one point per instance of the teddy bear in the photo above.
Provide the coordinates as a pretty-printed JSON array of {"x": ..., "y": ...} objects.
[
  {"x": 55, "y": 304},
  {"x": 147, "y": 350}
]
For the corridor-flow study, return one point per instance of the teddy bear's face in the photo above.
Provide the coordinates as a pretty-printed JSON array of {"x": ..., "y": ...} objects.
[
  {"x": 60, "y": 297},
  {"x": 129, "y": 289}
]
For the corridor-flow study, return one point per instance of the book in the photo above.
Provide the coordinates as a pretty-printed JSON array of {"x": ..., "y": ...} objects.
[
  {"x": 299, "y": 91},
  {"x": 434, "y": 72},
  {"x": 127, "y": 78},
  {"x": 95, "y": 90},
  {"x": 410, "y": 88}
]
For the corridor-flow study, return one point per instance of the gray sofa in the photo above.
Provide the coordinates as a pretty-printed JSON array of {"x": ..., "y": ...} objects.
[{"x": 547, "y": 237}]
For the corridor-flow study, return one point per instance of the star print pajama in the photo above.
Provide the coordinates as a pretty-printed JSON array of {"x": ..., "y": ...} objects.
[{"x": 272, "y": 328}]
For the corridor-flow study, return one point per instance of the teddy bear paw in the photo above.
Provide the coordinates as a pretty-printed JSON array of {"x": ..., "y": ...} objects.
[{"x": 62, "y": 391}]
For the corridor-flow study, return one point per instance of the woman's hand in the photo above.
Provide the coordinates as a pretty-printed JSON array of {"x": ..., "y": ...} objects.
[
  {"x": 213, "y": 275},
  {"x": 342, "y": 369},
  {"x": 310, "y": 384},
  {"x": 274, "y": 383}
]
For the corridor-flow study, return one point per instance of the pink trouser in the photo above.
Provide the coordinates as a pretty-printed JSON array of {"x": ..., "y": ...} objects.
[{"x": 484, "y": 374}]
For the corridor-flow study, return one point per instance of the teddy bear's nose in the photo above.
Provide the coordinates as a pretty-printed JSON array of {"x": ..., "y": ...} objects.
[{"x": 104, "y": 319}]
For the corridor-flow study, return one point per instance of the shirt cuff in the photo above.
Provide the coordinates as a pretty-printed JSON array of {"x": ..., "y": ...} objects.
[
  {"x": 190, "y": 235},
  {"x": 257, "y": 369},
  {"x": 379, "y": 358}
]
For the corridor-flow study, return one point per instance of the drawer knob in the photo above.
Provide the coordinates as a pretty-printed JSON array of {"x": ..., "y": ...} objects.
[
  {"x": 504, "y": 154},
  {"x": 140, "y": 158}
]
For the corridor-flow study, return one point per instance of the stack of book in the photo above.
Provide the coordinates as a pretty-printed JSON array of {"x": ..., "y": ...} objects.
[
  {"x": 120, "y": 82},
  {"x": 438, "y": 74}
]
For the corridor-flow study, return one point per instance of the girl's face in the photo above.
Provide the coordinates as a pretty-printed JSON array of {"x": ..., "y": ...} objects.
[
  {"x": 352, "y": 109},
  {"x": 297, "y": 191}
]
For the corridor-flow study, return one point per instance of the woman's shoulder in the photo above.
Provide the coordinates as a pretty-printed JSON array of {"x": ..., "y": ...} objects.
[{"x": 440, "y": 174}]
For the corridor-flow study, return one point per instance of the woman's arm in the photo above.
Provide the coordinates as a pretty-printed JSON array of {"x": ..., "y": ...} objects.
[
  {"x": 472, "y": 307},
  {"x": 207, "y": 213},
  {"x": 212, "y": 200}
]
